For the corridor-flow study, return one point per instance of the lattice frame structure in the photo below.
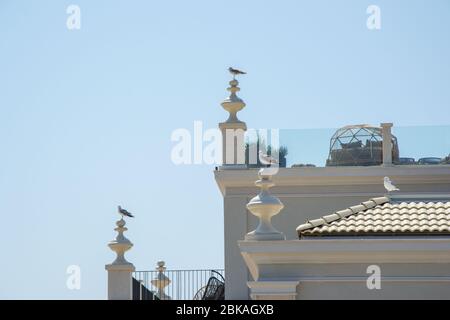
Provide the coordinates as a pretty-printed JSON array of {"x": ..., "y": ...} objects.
[{"x": 359, "y": 145}]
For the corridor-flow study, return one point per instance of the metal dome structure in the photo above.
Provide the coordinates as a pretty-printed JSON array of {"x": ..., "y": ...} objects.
[{"x": 359, "y": 145}]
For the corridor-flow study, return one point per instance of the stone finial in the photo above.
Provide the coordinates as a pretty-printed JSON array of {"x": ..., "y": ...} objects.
[
  {"x": 265, "y": 206},
  {"x": 233, "y": 104},
  {"x": 121, "y": 244},
  {"x": 120, "y": 281},
  {"x": 161, "y": 281},
  {"x": 233, "y": 131}
]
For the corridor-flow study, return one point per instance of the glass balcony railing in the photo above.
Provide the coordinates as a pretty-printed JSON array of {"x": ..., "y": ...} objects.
[{"x": 413, "y": 145}]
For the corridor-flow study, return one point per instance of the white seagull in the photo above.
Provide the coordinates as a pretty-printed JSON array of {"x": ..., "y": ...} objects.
[
  {"x": 124, "y": 212},
  {"x": 266, "y": 159},
  {"x": 389, "y": 185}
]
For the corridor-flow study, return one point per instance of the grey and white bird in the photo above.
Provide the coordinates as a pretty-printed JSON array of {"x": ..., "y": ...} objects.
[
  {"x": 235, "y": 72},
  {"x": 266, "y": 159},
  {"x": 124, "y": 212},
  {"x": 389, "y": 185}
]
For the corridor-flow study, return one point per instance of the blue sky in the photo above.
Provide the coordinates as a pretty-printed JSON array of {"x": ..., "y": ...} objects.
[{"x": 87, "y": 115}]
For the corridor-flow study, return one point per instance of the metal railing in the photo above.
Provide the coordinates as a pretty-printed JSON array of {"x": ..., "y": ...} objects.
[{"x": 205, "y": 284}]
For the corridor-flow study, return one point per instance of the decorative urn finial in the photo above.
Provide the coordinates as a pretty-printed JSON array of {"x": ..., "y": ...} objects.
[
  {"x": 265, "y": 206},
  {"x": 161, "y": 281},
  {"x": 121, "y": 244},
  {"x": 233, "y": 104},
  {"x": 233, "y": 129}
]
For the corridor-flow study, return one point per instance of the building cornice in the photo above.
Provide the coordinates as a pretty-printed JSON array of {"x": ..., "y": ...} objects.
[
  {"x": 336, "y": 176},
  {"x": 345, "y": 250}
]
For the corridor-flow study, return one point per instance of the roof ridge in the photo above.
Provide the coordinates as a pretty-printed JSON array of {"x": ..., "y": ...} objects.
[{"x": 337, "y": 215}]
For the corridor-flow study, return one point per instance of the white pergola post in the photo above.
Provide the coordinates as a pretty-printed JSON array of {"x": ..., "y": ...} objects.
[
  {"x": 233, "y": 130},
  {"x": 120, "y": 281},
  {"x": 387, "y": 143}
]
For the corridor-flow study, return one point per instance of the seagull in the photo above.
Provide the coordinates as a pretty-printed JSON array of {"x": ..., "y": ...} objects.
[
  {"x": 124, "y": 212},
  {"x": 266, "y": 159},
  {"x": 389, "y": 185},
  {"x": 235, "y": 72}
]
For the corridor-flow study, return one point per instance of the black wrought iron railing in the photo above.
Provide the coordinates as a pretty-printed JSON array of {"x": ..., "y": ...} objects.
[{"x": 179, "y": 285}]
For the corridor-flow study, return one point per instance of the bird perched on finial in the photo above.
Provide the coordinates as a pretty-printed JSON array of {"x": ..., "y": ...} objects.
[
  {"x": 235, "y": 72},
  {"x": 266, "y": 159},
  {"x": 124, "y": 212},
  {"x": 389, "y": 185}
]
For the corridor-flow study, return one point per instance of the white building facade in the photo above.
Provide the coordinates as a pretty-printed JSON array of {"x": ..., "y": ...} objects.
[{"x": 411, "y": 264}]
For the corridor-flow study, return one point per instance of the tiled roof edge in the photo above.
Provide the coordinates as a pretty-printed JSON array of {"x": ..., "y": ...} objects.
[{"x": 341, "y": 214}]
